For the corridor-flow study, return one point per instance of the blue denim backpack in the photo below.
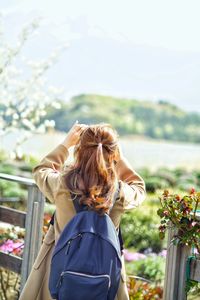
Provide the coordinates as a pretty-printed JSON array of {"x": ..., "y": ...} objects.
[{"x": 86, "y": 261}]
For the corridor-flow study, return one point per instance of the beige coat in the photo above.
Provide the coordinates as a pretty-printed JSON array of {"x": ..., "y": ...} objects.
[{"x": 48, "y": 177}]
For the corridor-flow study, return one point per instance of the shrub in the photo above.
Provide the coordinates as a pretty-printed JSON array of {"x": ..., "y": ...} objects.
[
  {"x": 167, "y": 175},
  {"x": 155, "y": 183},
  {"x": 14, "y": 195},
  {"x": 188, "y": 181},
  {"x": 151, "y": 268},
  {"x": 144, "y": 172},
  {"x": 140, "y": 230},
  {"x": 179, "y": 172},
  {"x": 7, "y": 168},
  {"x": 11, "y": 189}
]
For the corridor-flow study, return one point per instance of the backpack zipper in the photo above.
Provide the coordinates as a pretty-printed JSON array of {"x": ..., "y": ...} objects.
[
  {"x": 85, "y": 275},
  {"x": 69, "y": 242}
]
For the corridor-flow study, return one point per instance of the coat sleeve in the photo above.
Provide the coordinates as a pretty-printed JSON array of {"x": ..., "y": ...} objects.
[
  {"x": 132, "y": 186},
  {"x": 47, "y": 173}
]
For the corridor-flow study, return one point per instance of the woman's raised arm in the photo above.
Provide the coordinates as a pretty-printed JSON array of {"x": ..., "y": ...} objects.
[
  {"x": 132, "y": 189},
  {"x": 47, "y": 173}
]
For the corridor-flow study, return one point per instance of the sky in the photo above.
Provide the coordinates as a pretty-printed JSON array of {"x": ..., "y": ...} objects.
[{"x": 167, "y": 31}]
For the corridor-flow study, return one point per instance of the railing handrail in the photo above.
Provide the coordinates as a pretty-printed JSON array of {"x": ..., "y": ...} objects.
[{"x": 19, "y": 179}]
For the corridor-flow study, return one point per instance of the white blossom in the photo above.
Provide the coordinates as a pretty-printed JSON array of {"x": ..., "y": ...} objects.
[
  {"x": 24, "y": 92},
  {"x": 28, "y": 124},
  {"x": 9, "y": 111},
  {"x": 49, "y": 123},
  {"x": 56, "y": 105},
  {"x": 15, "y": 116}
]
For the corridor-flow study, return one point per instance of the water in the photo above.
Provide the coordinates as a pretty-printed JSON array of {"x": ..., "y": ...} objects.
[
  {"x": 154, "y": 154},
  {"x": 140, "y": 153}
]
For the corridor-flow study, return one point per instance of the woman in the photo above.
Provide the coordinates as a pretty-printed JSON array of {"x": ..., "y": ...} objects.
[{"x": 97, "y": 169}]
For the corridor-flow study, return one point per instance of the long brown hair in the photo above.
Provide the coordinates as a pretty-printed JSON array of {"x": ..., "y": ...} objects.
[{"x": 92, "y": 176}]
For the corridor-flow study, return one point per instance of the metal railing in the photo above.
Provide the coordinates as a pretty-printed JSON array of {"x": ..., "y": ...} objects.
[{"x": 31, "y": 220}]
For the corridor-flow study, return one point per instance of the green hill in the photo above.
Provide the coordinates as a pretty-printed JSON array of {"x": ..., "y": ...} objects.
[{"x": 159, "y": 120}]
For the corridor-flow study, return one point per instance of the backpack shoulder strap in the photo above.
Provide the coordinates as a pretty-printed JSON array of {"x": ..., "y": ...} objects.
[
  {"x": 52, "y": 219},
  {"x": 116, "y": 198},
  {"x": 77, "y": 206}
]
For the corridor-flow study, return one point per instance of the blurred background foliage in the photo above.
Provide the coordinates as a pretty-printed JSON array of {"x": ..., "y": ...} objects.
[{"x": 159, "y": 120}]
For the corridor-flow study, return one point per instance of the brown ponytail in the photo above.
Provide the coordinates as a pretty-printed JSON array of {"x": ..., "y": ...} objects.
[{"x": 92, "y": 176}]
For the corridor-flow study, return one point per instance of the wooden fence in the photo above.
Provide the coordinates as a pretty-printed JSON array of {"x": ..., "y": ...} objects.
[
  {"x": 31, "y": 220},
  {"x": 176, "y": 270}
]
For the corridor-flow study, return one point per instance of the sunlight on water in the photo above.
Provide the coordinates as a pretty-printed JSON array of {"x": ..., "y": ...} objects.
[{"x": 141, "y": 153}]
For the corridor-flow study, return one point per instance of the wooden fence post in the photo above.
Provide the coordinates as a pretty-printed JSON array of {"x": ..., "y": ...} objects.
[{"x": 175, "y": 270}]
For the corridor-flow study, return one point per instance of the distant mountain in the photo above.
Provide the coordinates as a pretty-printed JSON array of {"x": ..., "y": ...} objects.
[
  {"x": 123, "y": 69},
  {"x": 160, "y": 120},
  {"x": 100, "y": 64}
]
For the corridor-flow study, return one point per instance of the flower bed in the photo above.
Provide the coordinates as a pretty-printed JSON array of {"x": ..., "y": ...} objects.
[
  {"x": 12, "y": 242},
  {"x": 180, "y": 213},
  {"x": 139, "y": 290}
]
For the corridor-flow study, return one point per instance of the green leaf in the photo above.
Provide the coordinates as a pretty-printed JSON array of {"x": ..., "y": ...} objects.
[
  {"x": 161, "y": 235},
  {"x": 160, "y": 212}
]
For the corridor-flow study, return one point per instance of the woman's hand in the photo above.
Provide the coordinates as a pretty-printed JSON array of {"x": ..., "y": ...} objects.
[{"x": 73, "y": 135}]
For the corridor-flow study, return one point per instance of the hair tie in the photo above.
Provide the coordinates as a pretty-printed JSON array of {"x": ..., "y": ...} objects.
[{"x": 99, "y": 144}]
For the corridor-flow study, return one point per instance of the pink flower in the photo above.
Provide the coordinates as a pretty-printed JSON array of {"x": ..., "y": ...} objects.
[
  {"x": 163, "y": 253},
  {"x": 166, "y": 213},
  {"x": 192, "y": 190},
  {"x": 131, "y": 256},
  {"x": 10, "y": 246}
]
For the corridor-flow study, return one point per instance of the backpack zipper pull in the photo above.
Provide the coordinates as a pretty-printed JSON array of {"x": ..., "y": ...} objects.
[
  {"x": 79, "y": 243},
  {"x": 69, "y": 243},
  {"x": 68, "y": 247},
  {"x": 60, "y": 280}
]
